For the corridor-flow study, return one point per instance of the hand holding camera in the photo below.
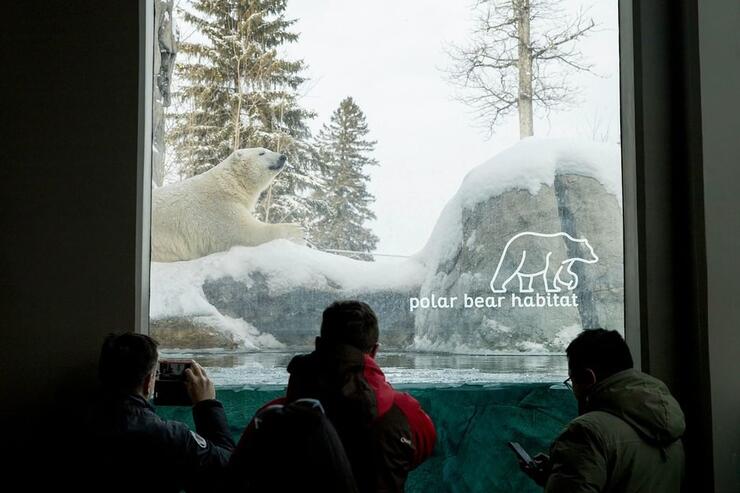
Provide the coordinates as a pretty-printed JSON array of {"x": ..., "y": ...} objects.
[
  {"x": 199, "y": 386},
  {"x": 182, "y": 382}
]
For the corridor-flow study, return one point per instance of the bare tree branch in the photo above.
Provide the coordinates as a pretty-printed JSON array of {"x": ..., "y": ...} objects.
[{"x": 535, "y": 39}]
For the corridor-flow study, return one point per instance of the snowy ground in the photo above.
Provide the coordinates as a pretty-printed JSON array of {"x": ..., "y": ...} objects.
[
  {"x": 177, "y": 287},
  {"x": 266, "y": 369}
]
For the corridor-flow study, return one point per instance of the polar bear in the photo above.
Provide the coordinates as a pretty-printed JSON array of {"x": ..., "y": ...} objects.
[
  {"x": 213, "y": 211},
  {"x": 529, "y": 255}
]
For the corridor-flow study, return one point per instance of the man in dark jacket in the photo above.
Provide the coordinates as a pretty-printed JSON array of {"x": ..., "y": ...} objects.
[
  {"x": 627, "y": 437},
  {"x": 130, "y": 447},
  {"x": 385, "y": 433}
]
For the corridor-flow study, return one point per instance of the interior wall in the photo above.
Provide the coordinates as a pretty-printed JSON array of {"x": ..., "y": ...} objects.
[
  {"x": 663, "y": 210},
  {"x": 719, "y": 45},
  {"x": 682, "y": 222},
  {"x": 68, "y": 185}
]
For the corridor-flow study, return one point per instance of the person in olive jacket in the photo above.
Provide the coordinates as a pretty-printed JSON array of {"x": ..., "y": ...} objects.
[{"x": 627, "y": 437}]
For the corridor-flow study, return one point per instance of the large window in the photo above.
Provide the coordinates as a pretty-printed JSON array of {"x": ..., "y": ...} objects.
[{"x": 456, "y": 165}]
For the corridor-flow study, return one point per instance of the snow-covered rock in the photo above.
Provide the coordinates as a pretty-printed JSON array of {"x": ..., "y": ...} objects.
[
  {"x": 543, "y": 186},
  {"x": 272, "y": 295}
]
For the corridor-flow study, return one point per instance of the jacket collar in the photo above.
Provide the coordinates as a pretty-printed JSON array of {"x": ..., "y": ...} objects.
[
  {"x": 342, "y": 359},
  {"x": 139, "y": 401},
  {"x": 129, "y": 399}
]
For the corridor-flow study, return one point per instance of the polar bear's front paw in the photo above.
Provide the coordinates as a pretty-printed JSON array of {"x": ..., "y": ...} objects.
[{"x": 293, "y": 232}]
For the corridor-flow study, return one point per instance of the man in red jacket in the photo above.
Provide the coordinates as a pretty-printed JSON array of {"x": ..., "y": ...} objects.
[{"x": 385, "y": 433}]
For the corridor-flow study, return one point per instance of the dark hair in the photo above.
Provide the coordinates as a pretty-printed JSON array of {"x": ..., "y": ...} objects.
[
  {"x": 602, "y": 351},
  {"x": 294, "y": 446},
  {"x": 350, "y": 322},
  {"x": 125, "y": 360}
]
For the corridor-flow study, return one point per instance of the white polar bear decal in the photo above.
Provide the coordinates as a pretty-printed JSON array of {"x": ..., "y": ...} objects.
[
  {"x": 212, "y": 212},
  {"x": 529, "y": 255}
]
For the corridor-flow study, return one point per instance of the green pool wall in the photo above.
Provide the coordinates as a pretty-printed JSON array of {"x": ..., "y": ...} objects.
[{"x": 474, "y": 423}]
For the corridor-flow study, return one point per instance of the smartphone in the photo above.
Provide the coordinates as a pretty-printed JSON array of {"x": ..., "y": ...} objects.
[
  {"x": 521, "y": 453},
  {"x": 169, "y": 389}
]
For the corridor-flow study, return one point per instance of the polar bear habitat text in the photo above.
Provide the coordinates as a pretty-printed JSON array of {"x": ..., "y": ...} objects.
[{"x": 526, "y": 258}]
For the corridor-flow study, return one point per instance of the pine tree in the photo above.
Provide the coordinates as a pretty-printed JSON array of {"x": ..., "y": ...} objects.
[
  {"x": 345, "y": 153},
  {"x": 234, "y": 90}
]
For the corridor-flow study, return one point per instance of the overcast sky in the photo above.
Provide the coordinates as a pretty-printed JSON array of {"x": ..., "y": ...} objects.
[{"x": 389, "y": 55}]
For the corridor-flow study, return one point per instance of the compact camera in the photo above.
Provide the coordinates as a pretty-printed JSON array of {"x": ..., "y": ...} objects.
[{"x": 169, "y": 389}]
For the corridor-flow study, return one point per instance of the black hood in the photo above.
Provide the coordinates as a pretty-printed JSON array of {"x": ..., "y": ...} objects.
[{"x": 335, "y": 375}]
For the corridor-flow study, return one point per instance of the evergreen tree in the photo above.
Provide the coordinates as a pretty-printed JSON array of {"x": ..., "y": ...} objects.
[
  {"x": 234, "y": 90},
  {"x": 345, "y": 153}
]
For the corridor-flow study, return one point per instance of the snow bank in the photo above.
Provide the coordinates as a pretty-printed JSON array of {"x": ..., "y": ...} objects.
[
  {"x": 247, "y": 377},
  {"x": 451, "y": 346},
  {"x": 177, "y": 287},
  {"x": 527, "y": 165}
]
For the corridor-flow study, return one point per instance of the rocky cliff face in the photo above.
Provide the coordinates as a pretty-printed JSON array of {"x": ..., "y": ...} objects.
[
  {"x": 294, "y": 317},
  {"x": 577, "y": 205},
  {"x": 272, "y": 297}
]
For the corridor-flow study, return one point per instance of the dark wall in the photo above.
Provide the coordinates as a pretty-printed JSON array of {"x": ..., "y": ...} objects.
[
  {"x": 681, "y": 120},
  {"x": 68, "y": 176},
  {"x": 663, "y": 208},
  {"x": 719, "y": 44}
]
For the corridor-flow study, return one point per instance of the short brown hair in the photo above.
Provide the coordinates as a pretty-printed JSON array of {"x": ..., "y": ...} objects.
[
  {"x": 125, "y": 360},
  {"x": 350, "y": 322},
  {"x": 603, "y": 351}
]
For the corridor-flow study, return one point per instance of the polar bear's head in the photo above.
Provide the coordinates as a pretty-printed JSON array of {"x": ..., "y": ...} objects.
[{"x": 255, "y": 168}]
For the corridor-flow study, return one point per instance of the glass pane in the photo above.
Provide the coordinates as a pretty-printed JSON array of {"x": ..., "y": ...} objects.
[
  {"x": 415, "y": 156},
  {"x": 456, "y": 165}
]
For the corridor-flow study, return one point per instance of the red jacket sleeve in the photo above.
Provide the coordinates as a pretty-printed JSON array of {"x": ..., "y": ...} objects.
[{"x": 423, "y": 433}]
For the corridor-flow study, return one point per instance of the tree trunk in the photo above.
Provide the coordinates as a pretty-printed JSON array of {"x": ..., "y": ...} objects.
[
  {"x": 268, "y": 204},
  {"x": 238, "y": 117},
  {"x": 237, "y": 48},
  {"x": 524, "y": 103}
]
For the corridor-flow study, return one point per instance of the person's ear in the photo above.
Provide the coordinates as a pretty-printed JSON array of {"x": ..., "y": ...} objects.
[
  {"x": 374, "y": 350},
  {"x": 148, "y": 386},
  {"x": 584, "y": 377},
  {"x": 589, "y": 377}
]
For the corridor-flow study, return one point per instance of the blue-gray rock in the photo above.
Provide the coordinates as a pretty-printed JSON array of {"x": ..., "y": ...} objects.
[{"x": 577, "y": 205}]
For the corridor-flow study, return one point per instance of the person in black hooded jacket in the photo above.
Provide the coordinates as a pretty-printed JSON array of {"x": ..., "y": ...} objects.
[
  {"x": 130, "y": 448},
  {"x": 385, "y": 433},
  {"x": 290, "y": 447}
]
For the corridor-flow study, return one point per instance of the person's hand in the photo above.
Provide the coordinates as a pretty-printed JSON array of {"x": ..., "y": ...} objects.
[
  {"x": 538, "y": 470},
  {"x": 200, "y": 388}
]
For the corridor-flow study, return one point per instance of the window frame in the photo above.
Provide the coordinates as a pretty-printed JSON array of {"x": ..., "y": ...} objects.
[
  {"x": 633, "y": 315},
  {"x": 144, "y": 165}
]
